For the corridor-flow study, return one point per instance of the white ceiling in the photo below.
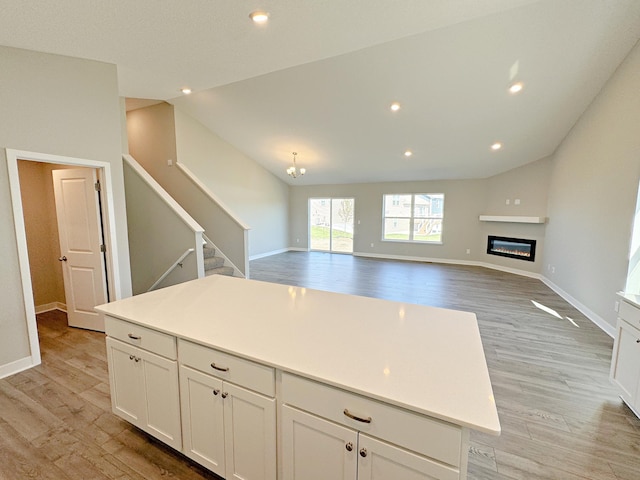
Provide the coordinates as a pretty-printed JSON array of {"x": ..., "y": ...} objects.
[{"x": 318, "y": 79}]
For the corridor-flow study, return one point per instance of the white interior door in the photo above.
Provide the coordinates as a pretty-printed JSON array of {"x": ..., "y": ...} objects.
[{"x": 80, "y": 235}]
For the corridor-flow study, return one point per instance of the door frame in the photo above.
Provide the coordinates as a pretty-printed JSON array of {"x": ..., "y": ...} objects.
[{"x": 113, "y": 270}]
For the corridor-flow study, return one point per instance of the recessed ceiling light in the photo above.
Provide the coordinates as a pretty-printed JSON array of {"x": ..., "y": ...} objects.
[
  {"x": 395, "y": 106},
  {"x": 516, "y": 87},
  {"x": 259, "y": 17},
  {"x": 496, "y": 146},
  {"x": 408, "y": 153},
  {"x": 186, "y": 90}
]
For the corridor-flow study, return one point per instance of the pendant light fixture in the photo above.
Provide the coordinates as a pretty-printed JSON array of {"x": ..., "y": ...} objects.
[{"x": 293, "y": 171}]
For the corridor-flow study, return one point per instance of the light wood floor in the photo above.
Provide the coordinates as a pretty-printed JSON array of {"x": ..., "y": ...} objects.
[{"x": 560, "y": 417}]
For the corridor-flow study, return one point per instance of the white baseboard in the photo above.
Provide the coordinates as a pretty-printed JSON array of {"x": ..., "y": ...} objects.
[
  {"x": 47, "y": 307},
  {"x": 268, "y": 254},
  {"x": 449, "y": 261},
  {"x": 605, "y": 326},
  {"x": 17, "y": 366}
]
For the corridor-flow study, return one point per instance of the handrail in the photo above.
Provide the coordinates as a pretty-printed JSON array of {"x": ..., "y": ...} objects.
[
  {"x": 171, "y": 268},
  {"x": 196, "y": 181},
  {"x": 171, "y": 203}
]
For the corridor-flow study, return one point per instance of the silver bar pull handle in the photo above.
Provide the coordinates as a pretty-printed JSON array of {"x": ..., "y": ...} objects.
[
  {"x": 134, "y": 337},
  {"x": 356, "y": 418},
  {"x": 220, "y": 369}
]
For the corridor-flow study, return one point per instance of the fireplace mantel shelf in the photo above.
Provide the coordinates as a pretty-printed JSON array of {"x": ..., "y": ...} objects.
[{"x": 512, "y": 219}]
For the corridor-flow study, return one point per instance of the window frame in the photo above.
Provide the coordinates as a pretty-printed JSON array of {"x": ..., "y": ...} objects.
[{"x": 412, "y": 217}]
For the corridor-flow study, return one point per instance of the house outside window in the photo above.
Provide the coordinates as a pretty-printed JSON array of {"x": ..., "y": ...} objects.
[{"x": 413, "y": 217}]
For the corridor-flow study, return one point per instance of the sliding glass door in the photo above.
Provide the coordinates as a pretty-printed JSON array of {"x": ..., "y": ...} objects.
[{"x": 331, "y": 224}]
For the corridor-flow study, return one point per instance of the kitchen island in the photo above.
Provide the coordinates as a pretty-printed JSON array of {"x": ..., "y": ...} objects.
[{"x": 262, "y": 381}]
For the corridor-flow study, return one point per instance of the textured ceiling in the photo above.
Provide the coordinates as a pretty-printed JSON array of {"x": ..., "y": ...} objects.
[{"x": 319, "y": 77}]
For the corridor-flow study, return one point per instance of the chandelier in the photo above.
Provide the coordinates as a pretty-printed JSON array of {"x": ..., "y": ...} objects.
[{"x": 293, "y": 171}]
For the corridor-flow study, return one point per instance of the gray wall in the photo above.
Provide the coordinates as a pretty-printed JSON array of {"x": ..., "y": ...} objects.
[
  {"x": 254, "y": 194},
  {"x": 592, "y": 195},
  {"x": 465, "y": 201},
  {"x": 157, "y": 237},
  {"x": 62, "y": 106}
]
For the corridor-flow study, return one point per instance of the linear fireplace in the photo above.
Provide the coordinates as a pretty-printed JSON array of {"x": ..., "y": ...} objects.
[{"x": 512, "y": 247}]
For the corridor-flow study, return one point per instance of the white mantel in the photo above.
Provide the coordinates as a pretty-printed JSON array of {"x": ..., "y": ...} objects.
[{"x": 512, "y": 219}]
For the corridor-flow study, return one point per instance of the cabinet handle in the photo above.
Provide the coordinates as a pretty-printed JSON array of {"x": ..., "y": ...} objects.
[
  {"x": 225, "y": 394},
  {"x": 358, "y": 419},
  {"x": 131, "y": 357},
  {"x": 220, "y": 369},
  {"x": 638, "y": 341},
  {"x": 216, "y": 391},
  {"x": 363, "y": 452},
  {"x": 137, "y": 359},
  {"x": 134, "y": 337},
  {"x": 349, "y": 446}
]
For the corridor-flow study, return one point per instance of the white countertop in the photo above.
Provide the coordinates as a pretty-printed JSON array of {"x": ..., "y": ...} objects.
[
  {"x": 426, "y": 359},
  {"x": 630, "y": 298}
]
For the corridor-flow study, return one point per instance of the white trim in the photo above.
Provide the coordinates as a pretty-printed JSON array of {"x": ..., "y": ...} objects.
[
  {"x": 605, "y": 326},
  {"x": 162, "y": 193},
  {"x": 18, "y": 366},
  {"x": 184, "y": 169},
  {"x": 21, "y": 238},
  {"x": 511, "y": 219},
  {"x": 296, "y": 249},
  {"x": 171, "y": 268},
  {"x": 274, "y": 252},
  {"x": 48, "y": 307}
]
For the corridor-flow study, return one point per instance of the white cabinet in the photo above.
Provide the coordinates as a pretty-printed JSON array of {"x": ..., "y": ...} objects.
[
  {"x": 625, "y": 364},
  {"x": 229, "y": 429},
  {"x": 331, "y": 434},
  {"x": 144, "y": 390}
]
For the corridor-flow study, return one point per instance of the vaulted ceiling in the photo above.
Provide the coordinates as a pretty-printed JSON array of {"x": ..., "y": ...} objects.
[{"x": 320, "y": 76}]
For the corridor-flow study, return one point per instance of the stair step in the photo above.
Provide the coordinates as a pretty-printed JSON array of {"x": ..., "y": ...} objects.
[
  {"x": 213, "y": 262},
  {"x": 220, "y": 271},
  {"x": 209, "y": 252}
]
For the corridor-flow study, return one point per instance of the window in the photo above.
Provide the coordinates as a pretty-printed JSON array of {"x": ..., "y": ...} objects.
[{"x": 413, "y": 217}]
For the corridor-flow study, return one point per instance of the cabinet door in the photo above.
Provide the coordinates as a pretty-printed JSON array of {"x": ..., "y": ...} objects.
[
  {"x": 162, "y": 398},
  {"x": 625, "y": 370},
  {"x": 126, "y": 382},
  {"x": 250, "y": 434},
  {"x": 382, "y": 461},
  {"x": 203, "y": 419},
  {"x": 317, "y": 449}
]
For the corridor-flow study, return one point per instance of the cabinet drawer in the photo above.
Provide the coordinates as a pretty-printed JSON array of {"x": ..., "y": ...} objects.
[
  {"x": 428, "y": 436},
  {"x": 146, "y": 338},
  {"x": 234, "y": 369},
  {"x": 629, "y": 313}
]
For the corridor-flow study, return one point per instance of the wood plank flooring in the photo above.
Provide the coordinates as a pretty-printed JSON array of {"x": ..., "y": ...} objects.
[{"x": 561, "y": 418}]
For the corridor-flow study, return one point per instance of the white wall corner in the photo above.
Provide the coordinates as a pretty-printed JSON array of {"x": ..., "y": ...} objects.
[
  {"x": 605, "y": 326},
  {"x": 17, "y": 366}
]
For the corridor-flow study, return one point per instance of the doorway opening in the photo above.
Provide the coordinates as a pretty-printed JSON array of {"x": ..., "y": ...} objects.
[
  {"x": 331, "y": 224},
  {"x": 107, "y": 282}
]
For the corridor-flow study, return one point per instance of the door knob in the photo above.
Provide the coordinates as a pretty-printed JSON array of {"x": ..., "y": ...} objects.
[{"x": 62, "y": 259}]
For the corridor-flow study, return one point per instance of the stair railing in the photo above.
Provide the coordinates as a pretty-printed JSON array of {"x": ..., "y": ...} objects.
[
  {"x": 171, "y": 268},
  {"x": 192, "y": 229},
  {"x": 228, "y": 232}
]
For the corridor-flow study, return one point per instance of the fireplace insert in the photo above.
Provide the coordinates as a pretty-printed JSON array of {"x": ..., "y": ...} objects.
[{"x": 519, "y": 248}]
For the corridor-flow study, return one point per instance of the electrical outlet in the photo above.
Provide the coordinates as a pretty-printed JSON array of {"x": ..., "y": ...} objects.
[
  {"x": 170, "y": 163},
  {"x": 516, "y": 201},
  {"x": 616, "y": 306},
  {"x": 372, "y": 245},
  {"x": 468, "y": 251},
  {"x": 297, "y": 240},
  {"x": 507, "y": 202},
  {"x": 553, "y": 269}
]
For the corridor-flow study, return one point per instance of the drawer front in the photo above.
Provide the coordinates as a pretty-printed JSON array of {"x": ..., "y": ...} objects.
[
  {"x": 629, "y": 313},
  {"x": 146, "y": 338},
  {"x": 428, "y": 436},
  {"x": 253, "y": 376}
]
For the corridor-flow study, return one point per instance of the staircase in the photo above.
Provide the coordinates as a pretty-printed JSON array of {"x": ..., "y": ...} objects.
[{"x": 214, "y": 265}]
